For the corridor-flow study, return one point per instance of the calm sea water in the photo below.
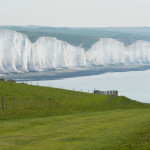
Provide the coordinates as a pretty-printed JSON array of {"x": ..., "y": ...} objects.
[{"x": 135, "y": 85}]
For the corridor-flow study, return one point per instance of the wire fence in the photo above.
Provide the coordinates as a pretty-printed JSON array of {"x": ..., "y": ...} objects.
[{"x": 15, "y": 103}]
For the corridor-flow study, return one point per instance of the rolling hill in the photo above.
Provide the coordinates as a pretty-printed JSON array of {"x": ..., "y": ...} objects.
[{"x": 71, "y": 121}]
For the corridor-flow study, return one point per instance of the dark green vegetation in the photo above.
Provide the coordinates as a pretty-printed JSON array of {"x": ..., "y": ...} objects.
[
  {"x": 85, "y": 37},
  {"x": 81, "y": 121}
]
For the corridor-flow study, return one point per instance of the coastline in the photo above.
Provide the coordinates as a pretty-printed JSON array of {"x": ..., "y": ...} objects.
[{"x": 72, "y": 73}]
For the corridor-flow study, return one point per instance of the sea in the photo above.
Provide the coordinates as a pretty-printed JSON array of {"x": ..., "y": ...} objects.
[{"x": 134, "y": 84}]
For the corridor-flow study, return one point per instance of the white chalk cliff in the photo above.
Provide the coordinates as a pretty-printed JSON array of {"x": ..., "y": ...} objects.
[
  {"x": 112, "y": 52},
  {"x": 18, "y": 54}
]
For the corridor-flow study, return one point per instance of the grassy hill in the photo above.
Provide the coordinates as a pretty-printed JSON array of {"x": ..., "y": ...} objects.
[{"x": 49, "y": 118}]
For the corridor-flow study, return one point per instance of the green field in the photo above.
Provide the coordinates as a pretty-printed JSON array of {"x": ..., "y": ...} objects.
[{"x": 70, "y": 120}]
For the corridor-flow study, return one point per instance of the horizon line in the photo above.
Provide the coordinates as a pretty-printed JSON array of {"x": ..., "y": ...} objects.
[{"x": 75, "y": 27}]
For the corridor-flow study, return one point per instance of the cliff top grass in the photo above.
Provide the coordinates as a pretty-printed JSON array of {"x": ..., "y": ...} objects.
[
  {"x": 71, "y": 121},
  {"x": 20, "y": 100}
]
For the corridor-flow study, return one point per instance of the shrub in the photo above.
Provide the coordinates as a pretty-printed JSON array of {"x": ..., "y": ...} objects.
[{"x": 2, "y": 79}]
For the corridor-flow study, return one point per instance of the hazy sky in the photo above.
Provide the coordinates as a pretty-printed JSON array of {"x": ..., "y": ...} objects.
[{"x": 75, "y": 13}]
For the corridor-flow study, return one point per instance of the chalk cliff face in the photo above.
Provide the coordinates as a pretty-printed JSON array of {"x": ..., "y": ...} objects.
[
  {"x": 15, "y": 51},
  {"x": 50, "y": 53},
  {"x": 18, "y": 54},
  {"x": 111, "y": 52}
]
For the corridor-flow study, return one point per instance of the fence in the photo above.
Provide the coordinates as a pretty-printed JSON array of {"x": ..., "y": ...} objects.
[
  {"x": 15, "y": 103},
  {"x": 111, "y": 92}
]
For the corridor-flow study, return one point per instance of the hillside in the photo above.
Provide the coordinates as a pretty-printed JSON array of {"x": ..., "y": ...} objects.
[
  {"x": 71, "y": 121},
  {"x": 36, "y": 99}
]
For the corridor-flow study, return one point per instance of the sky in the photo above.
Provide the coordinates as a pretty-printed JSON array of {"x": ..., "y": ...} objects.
[{"x": 75, "y": 13}]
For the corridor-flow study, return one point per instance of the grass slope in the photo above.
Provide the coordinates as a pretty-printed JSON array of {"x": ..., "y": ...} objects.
[
  {"x": 113, "y": 129},
  {"x": 81, "y": 121},
  {"x": 69, "y": 101}
]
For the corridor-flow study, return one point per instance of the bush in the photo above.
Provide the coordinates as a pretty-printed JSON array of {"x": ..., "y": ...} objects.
[
  {"x": 2, "y": 79},
  {"x": 11, "y": 81}
]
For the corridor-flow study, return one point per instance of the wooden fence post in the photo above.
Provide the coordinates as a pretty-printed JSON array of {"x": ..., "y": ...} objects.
[
  {"x": 40, "y": 102},
  {"x": 45, "y": 102},
  {"x": 6, "y": 102},
  {"x": 31, "y": 102},
  {"x": 20, "y": 102},
  {"x": 14, "y": 103},
  {"x": 26, "y": 103},
  {"x": 117, "y": 93},
  {"x": 35, "y": 101},
  {"x": 49, "y": 101},
  {"x": 2, "y": 103}
]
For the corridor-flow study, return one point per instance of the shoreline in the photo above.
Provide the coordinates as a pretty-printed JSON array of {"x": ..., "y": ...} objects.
[{"x": 71, "y": 73}]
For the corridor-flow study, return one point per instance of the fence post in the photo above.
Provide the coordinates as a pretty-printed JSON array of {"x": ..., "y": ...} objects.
[
  {"x": 45, "y": 102},
  {"x": 6, "y": 102},
  {"x": 20, "y": 102},
  {"x": 117, "y": 93},
  {"x": 49, "y": 101},
  {"x": 14, "y": 103},
  {"x": 26, "y": 103},
  {"x": 40, "y": 102},
  {"x": 2, "y": 103},
  {"x": 31, "y": 102},
  {"x": 35, "y": 101}
]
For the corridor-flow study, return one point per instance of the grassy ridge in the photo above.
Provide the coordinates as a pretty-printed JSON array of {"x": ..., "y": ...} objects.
[
  {"x": 69, "y": 101},
  {"x": 82, "y": 121}
]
